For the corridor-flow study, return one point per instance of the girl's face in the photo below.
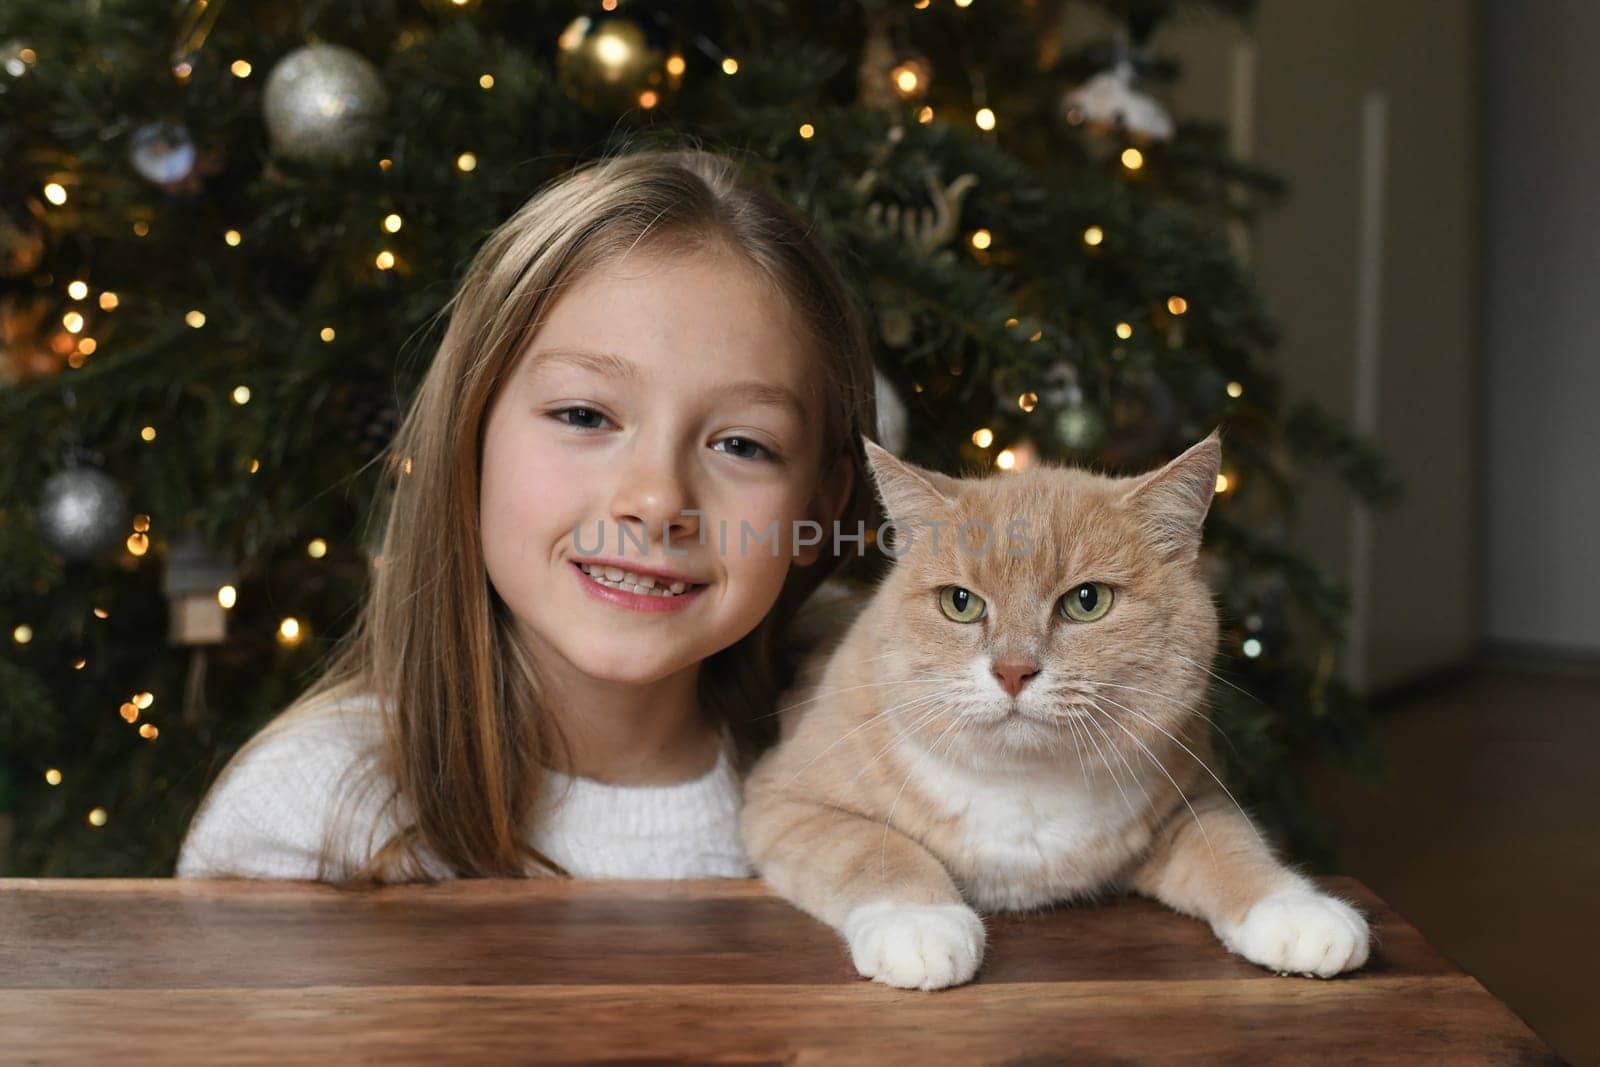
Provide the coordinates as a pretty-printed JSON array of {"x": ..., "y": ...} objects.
[{"x": 658, "y": 387}]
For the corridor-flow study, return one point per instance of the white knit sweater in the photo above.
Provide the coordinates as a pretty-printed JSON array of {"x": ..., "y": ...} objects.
[{"x": 269, "y": 816}]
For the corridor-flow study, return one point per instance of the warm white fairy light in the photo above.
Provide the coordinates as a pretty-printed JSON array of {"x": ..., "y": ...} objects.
[
  {"x": 144, "y": 700},
  {"x": 467, "y": 162},
  {"x": 385, "y": 260},
  {"x": 129, "y": 711},
  {"x": 807, "y": 131},
  {"x": 52, "y": 776},
  {"x": 149, "y": 732},
  {"x": 138, "y": 544},
  {"x": 195, "y": 318},
  {"x": 232, "y": 238},
  {"x": 56, "y": 193},
  {"x": 97, "y": 817},
  {"x": 1132, "y": 158},
  {"x": 1236, "y": 389},
  {"x": 240, "y": 68},
  {"x": 327, "y": 333},
  {"x": 676, "y": 66},
  {"x": 984, "y": 118},
  {"x": 316, "y": 548},
  {"x": 1177, "y": 305},
  {"x": 227, "y": 596},
  {"x": 981, "y": 239},
  {"x": 486, "y": 81},
  {"x": 392, "y": 223},
  {"x": 241, "y": 395},
  {"x": 147, "y": 433},
  {"x": 1224, "y": 483},
  {"x": 22, "y": 634},
  {"x": 108, "y": 301},
  {"x": 1006, "y": 459},
  {"x": 77, "y": 289},
  {"x": 289, "y": 631},
  {"x": 925, "y": 115},
  {"x": 1028, "y": 401},
  {"x": 983, "y": 438},
  {"x": 1093, "y": 236},
  {"x": 730, "y": 66},
  {"x": 73, "y": 322},
  {"x": 1251, "y": 647}
]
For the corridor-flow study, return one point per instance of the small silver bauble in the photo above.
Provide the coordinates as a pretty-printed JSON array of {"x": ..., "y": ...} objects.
[
  {"x": 162, "y": 152},
  {"x": 323, "y": 103},
  {"x": 82, "y": 513}
]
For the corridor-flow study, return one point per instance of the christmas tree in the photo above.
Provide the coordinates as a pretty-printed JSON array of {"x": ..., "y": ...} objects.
[{"x": 226, "y": 233}]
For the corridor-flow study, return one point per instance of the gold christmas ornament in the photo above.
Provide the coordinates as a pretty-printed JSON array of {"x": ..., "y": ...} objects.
[{"x": 609, "y": 61}]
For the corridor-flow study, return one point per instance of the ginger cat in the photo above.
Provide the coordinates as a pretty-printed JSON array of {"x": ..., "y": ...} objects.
[{"x": 1009, "y": 728}]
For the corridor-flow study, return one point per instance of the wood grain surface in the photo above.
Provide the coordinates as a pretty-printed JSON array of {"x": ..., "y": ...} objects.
[{"x": 180, "y": 972}]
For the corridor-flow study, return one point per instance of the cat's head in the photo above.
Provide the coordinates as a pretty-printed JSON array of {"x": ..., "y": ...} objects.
[{"x": 1085, "y": 614}]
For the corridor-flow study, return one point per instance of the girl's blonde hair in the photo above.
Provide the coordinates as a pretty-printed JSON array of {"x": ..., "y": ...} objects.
[{"x": 465, "y": 739}]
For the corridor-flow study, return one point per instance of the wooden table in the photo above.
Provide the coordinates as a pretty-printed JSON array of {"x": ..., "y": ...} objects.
[{"x": 174, "y": 972}]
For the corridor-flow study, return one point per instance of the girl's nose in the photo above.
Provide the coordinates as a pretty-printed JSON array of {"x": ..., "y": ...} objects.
[{"x": 653, "y": 495}]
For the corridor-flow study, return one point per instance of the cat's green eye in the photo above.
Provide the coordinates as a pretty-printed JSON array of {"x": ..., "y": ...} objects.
[
  {"x": 960, "y": 604},
  {"x": 1087, "y": 602}
]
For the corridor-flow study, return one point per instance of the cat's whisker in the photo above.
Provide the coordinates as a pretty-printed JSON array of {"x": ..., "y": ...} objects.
[
  {"x": 1180, "y": 705},
  {"x": 923, "y": 719},
  {"x": 931, "y": 699},
  {"x": 1218, "y": 677},
  {"x": 1112, "y": 771},
  {"x": 1162, "y": 767},
  {"x": 850, "y": 688},
  {"x": 1197, "y": 759},
  {"x": 888, "y": 821}
]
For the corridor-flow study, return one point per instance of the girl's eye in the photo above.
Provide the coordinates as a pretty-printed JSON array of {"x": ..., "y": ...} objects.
[
  {"x": 961, "y": 605},
  {"x": 745, "y": 448},
  {"x": 1088, "y": 602},
  {"x": 581, "y": 418}
]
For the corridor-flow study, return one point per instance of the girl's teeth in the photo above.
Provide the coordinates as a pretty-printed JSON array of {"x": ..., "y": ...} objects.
[{"x": 642, "y": 584}]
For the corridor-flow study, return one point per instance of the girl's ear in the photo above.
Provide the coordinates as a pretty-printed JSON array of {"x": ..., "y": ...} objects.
[
  {"x": 1172, "y": 502},
  {"x": 833, "y": 492}
]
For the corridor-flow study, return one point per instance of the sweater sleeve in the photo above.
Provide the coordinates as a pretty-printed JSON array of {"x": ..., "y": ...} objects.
[{"x": 271, "y": 812}]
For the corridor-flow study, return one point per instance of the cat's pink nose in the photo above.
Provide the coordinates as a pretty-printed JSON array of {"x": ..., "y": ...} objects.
[{"x": 1015, "y": 673}]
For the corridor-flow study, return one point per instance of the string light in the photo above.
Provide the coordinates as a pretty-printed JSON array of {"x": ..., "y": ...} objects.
[
  {"x": 922, "y": 5},
  {"x": 730, "y": 66},
  {"x": 983, "y": 438},
  {"x": 227, "y": 596},
  {"x": 56, "y": 193},
  {"x": 138, "y": 544},
  {"x": 148, "y": 433},
  {"x": 129, "y": 711},
  {"x": 149, "y": 732},
  {"x": 1006, "y": 459},
  {"x": 289, "y": 631},
  {"x": 981, "y": 239},
  {"x": 1251, "y": 647},
  {"x": 906, "y": 80},
  {"x": 72, "y": 321},
  {"x": 232, "y": 238},
  {"x": 925, "y": 115},
  {"x": 676, "y": 66},
  {"x": 141, "y": 523},
  {"x": 385, "y": 164},
  {"x": 22, "y": 634},
  {"x": 79, "y": 664},
  {"x": 385, "y": 260},
  {"x": 87, "y": 345},
  {"x": 144, "y": 699},
  {"x": 241, "y": 395},
  {"x": 392, "y": 223},
  {"x": 101, "y": 613},
  {"x": 141, "y": 229},
  {"x": 1028, "y": 401},
  {"x": 97, "y": 817},
  {"x": 1093, "y": 236},
  {"x": 807, "y": 131},
  {"x": 52, "y": 777},
  {"x": 316, "y": 548},
  {"x": 327, "y": 334},
  {"x": 466, "y": 162},
  {"x": 241, "y": 68},
  {"x": 1223, "y": 483},
  {"x": 253, "y": 466},
  {"x": 649, "y": 99},
  {"x": 1236, "y": 389},
  {"x": 108, "y": 301},
  {"x": 195, "y": 318},
  {"x": 1124, "y": 330},
  {"x": 486, "y": 81},
  {"x": 1132, "y": 158},
  {"x": 963, "y": 3},
  {"x": 1177, "y": 305},
  {"x": 984, "y": 118},
  {"x": 78, "y": 290}
]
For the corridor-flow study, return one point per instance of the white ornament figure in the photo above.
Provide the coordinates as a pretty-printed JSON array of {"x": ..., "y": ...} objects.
[
  {"x": 1109, "y": 101},
  {"x": 891, "y": 415}
]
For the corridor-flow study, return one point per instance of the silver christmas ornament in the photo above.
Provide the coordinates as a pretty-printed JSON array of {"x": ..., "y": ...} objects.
[
  {"x": 162, "y": 152},
  {"x": 323, "y": 103},
  {"x": 82, "y": 513},
  {"x": 1109, "y": 101}
]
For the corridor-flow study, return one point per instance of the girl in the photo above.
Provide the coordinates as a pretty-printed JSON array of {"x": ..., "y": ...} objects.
[{"x": 570, "y": 654}]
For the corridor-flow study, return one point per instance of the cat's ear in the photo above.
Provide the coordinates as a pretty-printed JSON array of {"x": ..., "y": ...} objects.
[
  {"x": 908, "y": 491},
  {"x": 1172, "y": 502}
]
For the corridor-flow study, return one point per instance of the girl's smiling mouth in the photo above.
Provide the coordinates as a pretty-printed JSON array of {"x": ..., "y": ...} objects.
[{"x": 636, "y": 590}]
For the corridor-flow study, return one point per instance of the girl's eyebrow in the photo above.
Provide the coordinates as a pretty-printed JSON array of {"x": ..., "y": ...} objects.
[{"x": 608, "y": 364}]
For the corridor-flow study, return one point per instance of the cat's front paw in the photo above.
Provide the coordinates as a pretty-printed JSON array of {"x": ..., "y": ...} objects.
[
  {"x": 1300, "y": 931},
  {"x": 915, "y": 946}
]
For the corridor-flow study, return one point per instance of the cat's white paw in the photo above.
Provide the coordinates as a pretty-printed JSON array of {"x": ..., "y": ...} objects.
[
  {"x": 1300, "y": 931},
  {"x": 915, "y": 946}
]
